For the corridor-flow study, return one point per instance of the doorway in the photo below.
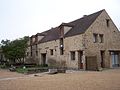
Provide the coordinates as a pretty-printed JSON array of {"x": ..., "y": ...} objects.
[
  {"x": 43, "y": 57},
  {"x": 102, "y": 58},
  {"x": 80, "y": 60}
]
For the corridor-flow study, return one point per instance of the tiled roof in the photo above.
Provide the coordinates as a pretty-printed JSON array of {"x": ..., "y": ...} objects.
[
  {"x": 79, "y": 26},
  {"x": 51, "y": 34},
  {"x": 82, "y": 24}
]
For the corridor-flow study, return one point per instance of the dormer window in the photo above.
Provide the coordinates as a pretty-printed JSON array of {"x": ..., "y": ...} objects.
[
  {"x": 107, "y": 22},
  {"x": 64, "y": 28}
]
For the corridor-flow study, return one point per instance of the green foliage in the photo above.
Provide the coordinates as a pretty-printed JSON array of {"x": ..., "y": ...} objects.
[
  {"x": 14, "y": 49},
  {"x": 30, "y": 70},
  {"x": 4, "y": 66},
  {"x": 21, "y": 70}
]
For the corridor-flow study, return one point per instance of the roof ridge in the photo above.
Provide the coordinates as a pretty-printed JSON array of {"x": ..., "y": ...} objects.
[
  {"x": 88, "y": 15},
  {"x": 82, "y": 24}
]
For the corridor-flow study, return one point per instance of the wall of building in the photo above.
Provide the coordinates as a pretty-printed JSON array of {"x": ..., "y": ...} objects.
[
  {"x": 111, "y": 39},
  {"x": 83, "y": 42},
  {"x": 73, "y": 43}
]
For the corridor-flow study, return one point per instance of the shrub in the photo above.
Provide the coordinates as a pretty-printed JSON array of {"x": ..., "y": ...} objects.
[
  {"x": 4, "y": 66},
  {"x": 22, "y": 70}
]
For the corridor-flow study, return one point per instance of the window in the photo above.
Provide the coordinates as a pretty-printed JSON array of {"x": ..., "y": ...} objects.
[
  {"x": 31, "y": 54},
  {"x": 107, "y": 22},
  {"x": 61, "y": 41},
  {"x": 27, "y": 53},
  {"x": 31, "y": 50},
  {"x": 36, "y": 46},
  {"x": 95, "y": 38},
  {"x": 61, "y": 47},
  {"x": 51, "y": 52},
  {"x": 73, "y": 55},
  {"x": 101, "y": 38},
  {"x": 61, "y": 51},
  {"x": 36, "y": 53}
]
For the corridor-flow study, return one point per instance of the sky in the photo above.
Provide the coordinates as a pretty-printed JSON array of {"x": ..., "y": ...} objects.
[{"x": 19, "y": 18}]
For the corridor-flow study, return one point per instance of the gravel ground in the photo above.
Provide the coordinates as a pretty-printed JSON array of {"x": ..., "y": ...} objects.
[
  {"x": 73, "y": 80},
  {"x": 7, "y": 74}
]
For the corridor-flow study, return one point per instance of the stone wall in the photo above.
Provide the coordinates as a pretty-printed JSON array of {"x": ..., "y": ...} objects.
[
  {"x": 111, "y": 39},
  {"x": 73, "y": 43},
  {"x": 84, "y": 42}
]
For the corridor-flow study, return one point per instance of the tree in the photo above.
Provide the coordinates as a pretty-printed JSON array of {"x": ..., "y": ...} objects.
[{"x": 15, "y": 50}]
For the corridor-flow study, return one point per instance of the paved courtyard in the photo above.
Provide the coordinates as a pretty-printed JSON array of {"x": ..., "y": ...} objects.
[{"x": 73, "y": 80}]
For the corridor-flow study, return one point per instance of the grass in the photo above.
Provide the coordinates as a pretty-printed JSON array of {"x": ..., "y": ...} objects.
[
  {"x": 30, "y": 69},
  {"x": 21, "y": 70},
  {"x": 27, "y": 69}
]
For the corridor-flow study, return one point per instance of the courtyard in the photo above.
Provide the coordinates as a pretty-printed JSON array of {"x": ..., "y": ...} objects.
[{"x": 72, "y": 80}]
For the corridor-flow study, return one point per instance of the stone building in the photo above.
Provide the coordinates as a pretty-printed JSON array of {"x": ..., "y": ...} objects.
[{"x": 88, "y": 43}]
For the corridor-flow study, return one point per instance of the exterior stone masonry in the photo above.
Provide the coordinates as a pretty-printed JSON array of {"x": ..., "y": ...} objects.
[{"x": 80, "y": 46}]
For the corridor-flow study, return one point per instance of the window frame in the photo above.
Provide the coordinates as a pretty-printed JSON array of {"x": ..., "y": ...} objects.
[
  {"x": 72, "y": 55},
  {"x": 36, "y": 53},
  {"x": 101, "y": 36},
  {"x": 108, "y": 22},
  {"x": 95, "y": 37},
  {"x": 27, "y": 54},
  {"x": 51, "y": 52}
]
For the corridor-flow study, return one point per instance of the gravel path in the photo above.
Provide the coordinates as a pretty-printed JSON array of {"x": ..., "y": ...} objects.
[{"x": 77, "y": 80}]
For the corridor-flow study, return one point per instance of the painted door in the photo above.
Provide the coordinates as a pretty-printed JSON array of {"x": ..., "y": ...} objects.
[{"x": 80, "y": 54}]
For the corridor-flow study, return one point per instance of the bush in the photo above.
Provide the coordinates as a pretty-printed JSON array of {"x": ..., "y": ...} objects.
[
  {"x": 41, "y": 66},
  {"x": 22, "y": 70},
  {"x": 4, "y": 66}
]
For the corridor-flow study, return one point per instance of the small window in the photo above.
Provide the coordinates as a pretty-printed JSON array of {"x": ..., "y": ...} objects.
[
  {"x": 107, "y": 22},
  {"x": 31, "y": 54},
  {"x": 36, "y": 53},
  {"x": 61, "y": 51},
  {"x": 101, "y": 38},
  {"x": 61, "y": 41},
  {"x": 31, "y": 50},
  {"x": 95, "y": 38},
  {"x": 36, "y": 46},
  {"x": 51, "y": 52},
  {"x": 73, "y": 55},
  {"x": 27, "y": 53}
]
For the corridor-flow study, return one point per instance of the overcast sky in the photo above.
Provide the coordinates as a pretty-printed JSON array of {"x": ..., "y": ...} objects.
[{"x": 20, "y": 18}]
